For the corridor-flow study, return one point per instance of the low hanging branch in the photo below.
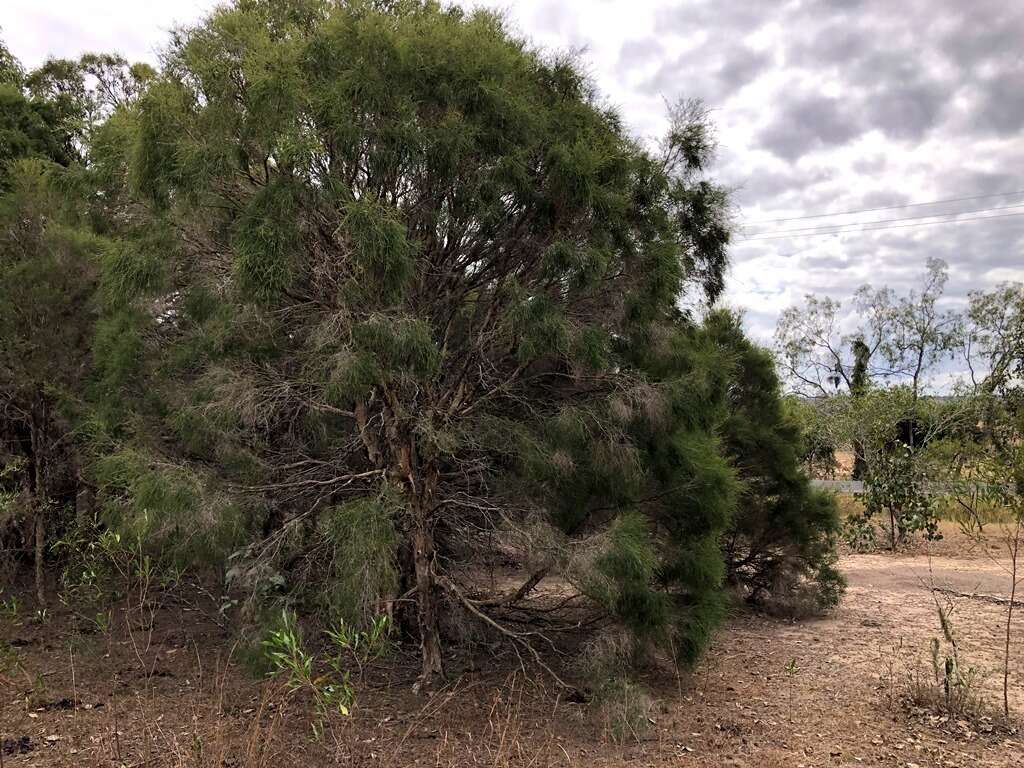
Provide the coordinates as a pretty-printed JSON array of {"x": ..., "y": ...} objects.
[
  {"x": 526, "y": 588},
  {"x": 517, "y": 638}
]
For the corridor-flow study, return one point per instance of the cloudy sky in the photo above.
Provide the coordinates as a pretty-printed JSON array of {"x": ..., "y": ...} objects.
[{"x": 822, "y": 107}]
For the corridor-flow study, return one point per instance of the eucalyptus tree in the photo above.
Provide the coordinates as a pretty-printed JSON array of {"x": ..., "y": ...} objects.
[
  {"x": 922, "y": 333},
  {"x": 818, "y": 358},
  {"x": 418, "y": 296},
  {"x": 888, "y": 338}
]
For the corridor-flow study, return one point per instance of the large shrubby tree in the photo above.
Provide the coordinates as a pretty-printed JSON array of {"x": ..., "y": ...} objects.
[
  {"x": 417, "y": 295},
  {"x": 358, "y": 300}
]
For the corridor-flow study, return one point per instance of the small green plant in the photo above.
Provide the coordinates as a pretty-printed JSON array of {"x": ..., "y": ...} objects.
[
  {"x": 792, "y": 669},
  {"x": 859, "y": 533},
  {"x": 947, "y": 686},
  {"x": 953, "y": 681},
  {"x": 9, "y": 608},
  {"x": 332, "y": 691},
  {"x": 103, "y": 621},
  {"x": 362, "y": 646},
  {"x": 895, "y": 493}
]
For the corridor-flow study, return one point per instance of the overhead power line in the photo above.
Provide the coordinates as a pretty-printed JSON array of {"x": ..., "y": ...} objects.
[
  {"x": 869, "y": 228},
  {"x": 887, "y": 208},
  {"x": 886, "y": 221}
]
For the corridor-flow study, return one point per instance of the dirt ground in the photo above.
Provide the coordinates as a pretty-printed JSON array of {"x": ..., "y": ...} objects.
[{"x": 770, "y": 693}]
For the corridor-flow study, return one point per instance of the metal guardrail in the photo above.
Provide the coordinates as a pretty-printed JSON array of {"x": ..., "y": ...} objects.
[
  {"x": 857, "y": 486},
  {"x": 840, "y": 486}
]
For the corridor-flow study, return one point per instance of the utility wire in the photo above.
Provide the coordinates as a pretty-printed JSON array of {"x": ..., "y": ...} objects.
[
  {"x": 887, "y": 208},
  {"x": 878, "y": 229},
  {"x": 886, "y": 221}
]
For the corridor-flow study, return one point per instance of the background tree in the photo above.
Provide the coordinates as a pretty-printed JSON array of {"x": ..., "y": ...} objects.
[
  {"x": 29, "y": 127},
  {"x": 860, "y": 380},
  {"x": 83, "y": 93},
  {"x": 921, "y": 333},
  {"x": 818, "y": 358},
  {"x": 982, "y": 460},
  {"x": 993, "y": 337},
  {"x": 47, "y": 272},
  {"x": 896, "y": 339},
  {"x": 51, "y": 246},
  {"x": 818, "y": 438},
  {"x": 896, "y": 435}
]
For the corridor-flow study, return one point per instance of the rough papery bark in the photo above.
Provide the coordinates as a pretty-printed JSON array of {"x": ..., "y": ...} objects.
[
  {"x": 424, "y": 557},
  {"x": 420, "y": 487},
  {"x": 369, "y": 440},
  {"x": 426, "y": 592}
]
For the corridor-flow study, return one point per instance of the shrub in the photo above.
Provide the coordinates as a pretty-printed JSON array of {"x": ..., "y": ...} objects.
[{"x": 781, "y": 542}]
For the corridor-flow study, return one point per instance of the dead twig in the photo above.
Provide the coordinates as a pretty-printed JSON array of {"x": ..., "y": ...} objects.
[
  {"x": 979, "y": 596},
  {"x": 518, "y": 638}
]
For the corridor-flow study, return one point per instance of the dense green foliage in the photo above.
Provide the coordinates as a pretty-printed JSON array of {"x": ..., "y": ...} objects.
[
  {"x": 369, "y": 297},
  {"x": 782, "y": 538},
  {"x": 28, "y": 126}
]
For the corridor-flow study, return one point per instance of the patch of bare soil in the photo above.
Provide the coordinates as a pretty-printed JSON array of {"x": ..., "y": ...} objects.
[{"x": 770, "y": 693}]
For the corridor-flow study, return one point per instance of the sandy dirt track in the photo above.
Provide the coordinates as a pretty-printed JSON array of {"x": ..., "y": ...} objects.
[{"x": 171, "y": 706}]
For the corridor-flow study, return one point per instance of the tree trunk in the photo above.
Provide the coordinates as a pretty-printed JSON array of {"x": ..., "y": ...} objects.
[
  {"x": 1014, "y": 555},
  {"x": 420, "y": 486},
  {"x": 40, "y": 554},
  {"x": 426, "y": 595},
  {"x": 40, "y": 497}
]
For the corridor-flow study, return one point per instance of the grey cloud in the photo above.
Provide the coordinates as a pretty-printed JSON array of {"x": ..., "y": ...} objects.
[
  {"x": 709, "y": 72},
  {"x": 744, "y": 65},
  {"x": 900, "y": 95},
  {"x": 879, "y": 199},
  {"x": 637, "y": 53},
  {"x": 982, "y": 32},
  {"x": 870, "y": 165},
  {"x": 903, "y": 62},
  {"x": 826, "y": 261},
  {"x": 1001, "y": 107},
  {"x": 908, "y": 111},
  {"x": 736, "y": 17},
  {"x": 904, "y": 69},
  {"x": 809, "y": 123},
  {"x": 556, "y": 16},
  {"x": 974, "y": 182}
]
